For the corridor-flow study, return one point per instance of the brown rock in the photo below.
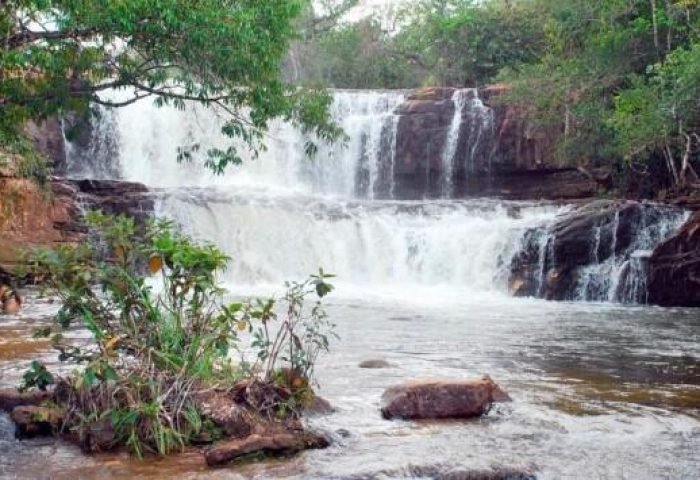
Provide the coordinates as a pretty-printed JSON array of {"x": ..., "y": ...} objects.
[
  {"x": 32, "y": 421},
  {"x": 233, "y": 419},
  {"x": 674, "y": 268},
  {"x": 375, "y": 364},
  {"x": 271, "y": 444},
  {"x": 11, "y": 398},
  {"x": 441, "y": 399}
]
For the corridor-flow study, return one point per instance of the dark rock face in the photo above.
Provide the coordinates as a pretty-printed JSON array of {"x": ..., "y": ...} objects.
[
  {"x": 596, "y": 252},
  {"x": 30, "y": 218},
  {"x": 47, "y": 138},
  {"x": 498, "y": 152},
  {"x": 116, "y": 197},
  {"x": 441, "y": 399},
  {"x": 674, "y": 268}
]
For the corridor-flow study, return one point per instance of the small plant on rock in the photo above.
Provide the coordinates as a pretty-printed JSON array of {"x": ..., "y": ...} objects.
[{"x": 162, "y": 336}]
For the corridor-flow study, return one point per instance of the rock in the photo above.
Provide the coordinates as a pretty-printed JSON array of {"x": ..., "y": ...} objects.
[
  {"x": 441, "y": 399},
  {"x": 232, "y": 418},
  {"x": 270, "y": 444},
  {"x": 30, "y": 218},
  {"x": 500, "y": 151},
  {"x": 449, "y": 472},
  {"x": 10, "y": 301},
  {"x": 48, "y": 139},
  {"x": 11, "y": 398},
  {"x": 674, "y": 268},
  {"x": 375, "y": 364},
  {"x": 317, "y": 405},
  {"x": 33, "y": 421},
  {"x": 551, "y": 259}
]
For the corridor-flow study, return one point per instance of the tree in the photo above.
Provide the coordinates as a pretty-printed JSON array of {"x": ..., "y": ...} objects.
[
  {"x": 58, "y": 56},
  {"x": 661, "y": 114}
]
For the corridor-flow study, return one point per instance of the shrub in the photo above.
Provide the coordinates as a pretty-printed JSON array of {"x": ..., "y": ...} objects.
[{"x": 161, "y": 332}]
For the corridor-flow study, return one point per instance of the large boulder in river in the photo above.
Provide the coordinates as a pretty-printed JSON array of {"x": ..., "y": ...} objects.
[
  {"x": 425, "y": 399},
  {"x": 674, "y": 268}
]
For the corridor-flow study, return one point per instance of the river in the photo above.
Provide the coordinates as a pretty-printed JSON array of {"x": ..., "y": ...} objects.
[{"x": 600, "y": 390}]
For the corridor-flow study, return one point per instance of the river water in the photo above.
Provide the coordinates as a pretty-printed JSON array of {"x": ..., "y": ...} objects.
[{"x": 600, "y": 390}]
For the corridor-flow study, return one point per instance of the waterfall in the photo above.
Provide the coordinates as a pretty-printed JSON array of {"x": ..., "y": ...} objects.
[
  {"x": 457, "y": 245},
  {"x": 147, "y": 140},
  {"x": 480, "y": 142},
  {"x": 282, "y": 215},
  {"x": 459, "y": 99},
  {"x": 621, "y": 277},
  {"x": 471, "y": 132}
]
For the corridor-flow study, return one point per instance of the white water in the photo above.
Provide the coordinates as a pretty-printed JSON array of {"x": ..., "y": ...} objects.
[
  {"x": 459, "y": 99},
  {"x": 282, "y": 215},
  {"x": 148, "y": 139},
  {"x": 622, "y": 277}
]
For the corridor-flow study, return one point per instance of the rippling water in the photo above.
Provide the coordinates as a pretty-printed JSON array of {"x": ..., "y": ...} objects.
[{"x": 600, "y": 391}]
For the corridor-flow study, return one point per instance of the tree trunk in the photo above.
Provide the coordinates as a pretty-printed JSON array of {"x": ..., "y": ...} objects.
[
  {"x": 671, "y": 165},
  {"x": 655, "y": 23}
]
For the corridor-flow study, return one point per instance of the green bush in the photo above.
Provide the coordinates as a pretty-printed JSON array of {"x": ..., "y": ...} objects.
[{"x": 161, "y": 331}]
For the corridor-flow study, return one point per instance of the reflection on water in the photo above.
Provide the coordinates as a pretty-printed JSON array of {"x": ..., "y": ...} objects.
[{"x": 599, "y": 391}]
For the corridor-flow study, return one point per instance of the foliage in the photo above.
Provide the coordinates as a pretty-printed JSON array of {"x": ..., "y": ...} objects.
[
  {"x": 157, "y": 341},
  {"x": 660, "y": 112},
  {"x": 36, "y": 377},
  {"x": 61, "y": 56},
  {"x": 614, "y": 80},
  {"x": 600, "y": 81}
]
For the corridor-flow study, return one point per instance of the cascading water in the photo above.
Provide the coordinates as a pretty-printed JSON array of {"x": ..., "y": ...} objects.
[
  {"x": 282, "y": 215},
  {"x": 459, "y": 99},
  {"x": 621, "y": 277}
]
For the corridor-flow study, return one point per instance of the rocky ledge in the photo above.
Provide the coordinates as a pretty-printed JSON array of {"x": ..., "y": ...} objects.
[
  {"x": 601, "y": 251},
  {"x": 674, "y": 268},
  {"x": 32, "y": 216},
  {"x": 498, "y": 151}
]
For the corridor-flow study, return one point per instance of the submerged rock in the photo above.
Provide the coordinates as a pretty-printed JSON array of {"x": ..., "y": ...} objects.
[
  {"x": 283, "y": 443},
  {"x": 375, "y": 364},
  {"x": 11, "y": 398},
  {"x": 425, "y": 399},
  {"x": 32, "y": 420},
  {"x": 445, "y": 472}
]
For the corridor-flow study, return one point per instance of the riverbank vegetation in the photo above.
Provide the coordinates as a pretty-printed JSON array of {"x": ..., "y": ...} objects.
[
  {"x": 164, "y": 336},
  {"x": 618, "y": 79}
]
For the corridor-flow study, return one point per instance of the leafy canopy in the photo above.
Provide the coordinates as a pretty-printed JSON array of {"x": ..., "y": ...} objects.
[{"x": 61, "y": 56}]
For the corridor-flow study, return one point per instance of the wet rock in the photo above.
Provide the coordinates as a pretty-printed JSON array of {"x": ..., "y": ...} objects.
[
  {"x": 441, "y": 399},
  {"x": 375, "y": 364},
  {"x": 32, "y": 421},
  {"x": 445, "y": 472},
  {"x": 11, "y": 398},
  {"x": 316, "y": 405},
  {"x": 505, "y": 154},
  {"x": 117, "y": 197},
  {"x": 674, "y": 268},
  {"x": 266, "y": 444},
  {"x": 232, "y": 418},
  {"x": 10, "y": 300},
  {"x": 552, "y": 259}
]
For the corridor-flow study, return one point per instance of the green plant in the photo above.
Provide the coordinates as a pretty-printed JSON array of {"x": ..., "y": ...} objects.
[
  {"x": 162, "y": 332},
  {"x": 36, "y": 377}
]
